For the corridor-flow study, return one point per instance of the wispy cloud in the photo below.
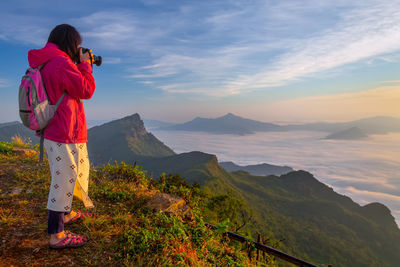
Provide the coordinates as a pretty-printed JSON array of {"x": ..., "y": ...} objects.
[
  {"x": 369, "y": 194},
  {"x": 4, "y": 83},
  {"x": 146, "y": 82},
  {"x": 112, "y": 60},
  {"x": 232, "y": 47},
  {"x": 363, "y": 33},
  {"x": 113, "y": 30},
  {"x": 25, "y": 29},
  {"x": 254, "y": 54}
]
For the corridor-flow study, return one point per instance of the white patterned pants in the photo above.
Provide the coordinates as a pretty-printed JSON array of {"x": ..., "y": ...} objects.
[{"x": 69, "y": 167}]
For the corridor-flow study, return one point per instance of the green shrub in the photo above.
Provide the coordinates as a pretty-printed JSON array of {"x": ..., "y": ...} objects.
[
  {"x": 6, "y": 148},
  {"x": 125, "y": 172}
]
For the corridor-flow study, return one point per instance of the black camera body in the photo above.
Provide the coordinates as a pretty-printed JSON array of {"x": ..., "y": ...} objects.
[{"x": 97, "y": 60}]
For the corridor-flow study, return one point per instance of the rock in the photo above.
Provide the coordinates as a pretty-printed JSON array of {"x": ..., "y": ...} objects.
[
  {"x": 16, "y": 191},
  {"x": 162, "y": 202}
]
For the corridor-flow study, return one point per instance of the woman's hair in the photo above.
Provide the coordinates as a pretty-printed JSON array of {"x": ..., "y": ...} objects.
[{"x": 67, "y": 38}]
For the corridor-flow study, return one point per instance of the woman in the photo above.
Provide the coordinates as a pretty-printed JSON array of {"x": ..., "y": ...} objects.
[{"x": 66, "y": 134}]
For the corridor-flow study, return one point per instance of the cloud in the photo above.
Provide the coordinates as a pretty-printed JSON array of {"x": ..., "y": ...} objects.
[
  {"x": 114, "y": 30},
  {"x": 146, "y": 82},
  {"x": 361, "y": 194},
  {"x": 251, "y": 51},
  {"x": 361, "y": 34},
  {"x": 339, "y": 180},
  {"x": 232, "y": 47},
  {"x": 4, "y": 83},
  {"x": 25, "y": 29},
  {"x": 112, "y": 60}
]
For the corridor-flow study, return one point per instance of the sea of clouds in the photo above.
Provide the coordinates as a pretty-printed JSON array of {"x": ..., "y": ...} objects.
[{"x": 365, "y": 170}]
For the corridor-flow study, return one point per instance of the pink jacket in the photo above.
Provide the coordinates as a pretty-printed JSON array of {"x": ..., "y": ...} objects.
[{"x": 60, "y": 74}]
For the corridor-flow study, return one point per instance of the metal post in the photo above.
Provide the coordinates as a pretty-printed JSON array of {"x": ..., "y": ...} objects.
[
  {"x": 267, "y": 249},
  {"x": 259, "y": 240}
]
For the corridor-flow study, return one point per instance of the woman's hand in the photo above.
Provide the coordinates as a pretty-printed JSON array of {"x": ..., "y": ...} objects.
[{"x": 85, "y": 57}]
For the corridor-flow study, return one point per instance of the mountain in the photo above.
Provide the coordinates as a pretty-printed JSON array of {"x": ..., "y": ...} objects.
[
  {"x": 232, "y": 124},
  {"x": 378, "y": 125},
  {"x": 195, "y": 166},
  {"x": 125, "y": 139},
  {"x": 318, "y": 223},
  {"x": 314, "y": 222},
  {"x": 263, "y": 169},
  {"x": 9, "y": 123},
  {"x": 228, "y": 124},
  {"x": 373, "y": 125},
  {"x": 10, "y": 129},
  {"x": 353, "y": 133},
  {"x": 138, "y": 222}
]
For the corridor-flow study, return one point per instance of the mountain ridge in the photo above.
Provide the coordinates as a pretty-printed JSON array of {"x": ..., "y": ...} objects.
[
  {"x": 262, "y": 169},
  {"x": 353, "y": 133},
  {"x": 227, "y": 124},
  {"x": 316, "y": 222},
  {"x": 233, "y": 124},
  {"x": 124, "y": 139}
]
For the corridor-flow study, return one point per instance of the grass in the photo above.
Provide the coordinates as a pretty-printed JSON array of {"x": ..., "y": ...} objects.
[{"x": 123, "y": 232}]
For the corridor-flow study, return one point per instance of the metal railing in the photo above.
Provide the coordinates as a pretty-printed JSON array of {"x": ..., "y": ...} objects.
[{"x": 267, "y": 249}]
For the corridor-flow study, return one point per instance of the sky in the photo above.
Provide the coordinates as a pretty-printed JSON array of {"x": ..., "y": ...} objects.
[{"x": 275, "y": 61}]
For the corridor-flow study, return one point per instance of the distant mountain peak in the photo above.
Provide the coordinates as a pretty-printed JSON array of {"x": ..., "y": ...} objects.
[
  {"x": 262, "y": 169},
  {"x": 124, "y": 139},
  {"x": 230, "y": 115},
  {"x": 227, "y": 124},
  {"x": 353, "y": 133}
]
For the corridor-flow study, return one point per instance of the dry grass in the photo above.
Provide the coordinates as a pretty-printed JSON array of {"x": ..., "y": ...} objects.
[{"x": 18, "y": 141}]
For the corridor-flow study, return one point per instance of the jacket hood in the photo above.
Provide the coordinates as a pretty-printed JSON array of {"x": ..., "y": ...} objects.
[{"x": 37, "y": 57}]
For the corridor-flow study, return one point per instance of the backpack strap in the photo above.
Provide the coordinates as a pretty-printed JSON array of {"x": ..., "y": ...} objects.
[
  {"x": 59, "y": 100},
  {"x": 41, "y": 132},
  {"x": 41, "y": 66}
]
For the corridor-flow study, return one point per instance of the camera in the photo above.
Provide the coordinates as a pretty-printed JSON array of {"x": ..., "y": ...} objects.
[{"x": 97, "y": 60}]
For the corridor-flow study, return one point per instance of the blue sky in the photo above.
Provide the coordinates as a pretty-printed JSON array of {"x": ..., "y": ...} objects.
[{"x": 280, "y": 61}]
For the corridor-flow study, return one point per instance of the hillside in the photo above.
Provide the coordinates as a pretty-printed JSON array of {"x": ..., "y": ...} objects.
[
  {"x": 353, "y": 133},
  {"x": 125, "y": 139},
  {"x": 10, "y": 129},
  {"x": 134, "y": 224},
  {"x": 263, "y": 169},
  {"x": 318, "y": 224},
  {"x": 195, "y": 166},
  {"x": 314, "y": 222}
]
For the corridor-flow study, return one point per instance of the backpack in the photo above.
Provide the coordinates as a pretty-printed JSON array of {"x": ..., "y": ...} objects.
[{"x": 35, "y": 109}]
